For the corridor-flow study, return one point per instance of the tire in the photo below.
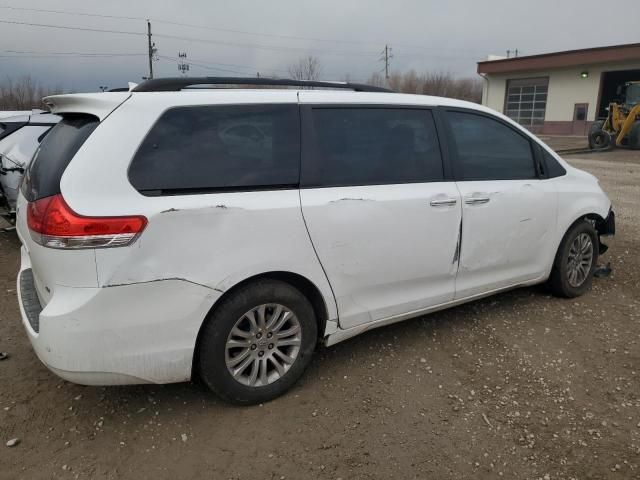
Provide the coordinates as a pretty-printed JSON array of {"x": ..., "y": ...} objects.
[
  {"x": 562, "y": 281},
  {"x": 634, "y": 136},
  {"x": 260, "y": 345},
  {"x": 598, "y": 138}
]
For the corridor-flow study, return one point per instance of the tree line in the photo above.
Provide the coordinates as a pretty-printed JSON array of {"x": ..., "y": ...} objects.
[{"x": 26, "y": 93}]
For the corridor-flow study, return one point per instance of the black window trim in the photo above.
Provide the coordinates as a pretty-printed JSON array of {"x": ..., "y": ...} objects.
[
  {"x": 309, "y": 138},
  {"x": 540, "y": 151},
  {"x": 214, "y": 190},
  {"x": 536, "y": 156}
]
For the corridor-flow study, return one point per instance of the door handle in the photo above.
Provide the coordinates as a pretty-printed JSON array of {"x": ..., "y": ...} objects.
[
  {"x": 476, "y": 200},
  {"x": 445, "y": 202}
]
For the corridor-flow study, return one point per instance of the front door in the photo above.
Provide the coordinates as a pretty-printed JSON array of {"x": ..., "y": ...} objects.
[
  {"x": 382, "y": 218},
  {"x": 579, "y": 124},
  {"x": 508, "y": 212}
]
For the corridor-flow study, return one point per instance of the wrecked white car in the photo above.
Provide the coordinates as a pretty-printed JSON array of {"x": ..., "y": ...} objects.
[
  {"x": 20, "y": 136},
  {"x": 158, "y": 245}
]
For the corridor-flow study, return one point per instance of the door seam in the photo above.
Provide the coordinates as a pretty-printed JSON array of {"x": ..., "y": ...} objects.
[{"x": 315, "y": 251}]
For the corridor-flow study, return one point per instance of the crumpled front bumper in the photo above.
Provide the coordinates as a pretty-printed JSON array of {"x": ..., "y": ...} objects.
[{"x": 606, "y": 228}]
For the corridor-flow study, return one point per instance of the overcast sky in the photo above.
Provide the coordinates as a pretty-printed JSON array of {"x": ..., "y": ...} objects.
[{"x": 243, "y": 37}]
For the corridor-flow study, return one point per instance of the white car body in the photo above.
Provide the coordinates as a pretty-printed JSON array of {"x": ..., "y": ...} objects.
[{"x": 376, "y": 254}]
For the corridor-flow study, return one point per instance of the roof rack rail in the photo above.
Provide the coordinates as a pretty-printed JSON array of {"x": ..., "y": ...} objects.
[{"x": 175, "y": 84}]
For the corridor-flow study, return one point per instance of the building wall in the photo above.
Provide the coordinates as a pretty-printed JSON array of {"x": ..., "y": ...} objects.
[{"x": 566, "y": 88}]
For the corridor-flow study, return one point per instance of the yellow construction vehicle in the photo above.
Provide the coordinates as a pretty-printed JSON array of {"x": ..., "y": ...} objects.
[{"x": 622, "y": 126}]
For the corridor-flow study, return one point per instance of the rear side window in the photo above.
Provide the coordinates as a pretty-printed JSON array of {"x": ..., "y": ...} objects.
[
  {"x": 7, "y": 128},
  {"x": 218, "y": 148},
  {"x": 489, "y": 150},
  {"x": 554, "y": 169},
  {"x": 372, "y": 146},
  {"x": 58, "y": 147}
]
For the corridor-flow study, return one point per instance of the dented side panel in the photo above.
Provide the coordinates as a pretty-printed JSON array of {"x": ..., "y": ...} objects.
[
  {"x": 217, "y": 240},
  {"x": 385, "y": 249},
  {"x": 508, "y": 232}
]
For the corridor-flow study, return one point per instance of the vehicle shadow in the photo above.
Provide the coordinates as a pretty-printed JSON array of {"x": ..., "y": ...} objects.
[{"x": 339, "y": 360}]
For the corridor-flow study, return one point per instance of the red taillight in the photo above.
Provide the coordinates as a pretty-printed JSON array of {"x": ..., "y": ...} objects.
[{"x": 53, "y": 224}]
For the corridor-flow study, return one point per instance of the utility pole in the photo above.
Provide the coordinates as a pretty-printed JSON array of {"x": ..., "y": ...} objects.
[
  {"x": 151, "y": 49},
  {"x": 183, "y": 66},
  {"x": 385, "y": 57}
]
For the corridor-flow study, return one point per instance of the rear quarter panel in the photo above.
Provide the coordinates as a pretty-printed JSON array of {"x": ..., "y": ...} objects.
[{"x": 216, "y": 240}]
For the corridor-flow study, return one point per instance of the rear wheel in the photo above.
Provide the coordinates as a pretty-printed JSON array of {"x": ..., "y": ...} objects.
[
  {"x": 598, "y": 138},
  {"x": 257, "y": 342},
  {"x": 634, "y": 136},
  {"x": 575, "y": 261}
]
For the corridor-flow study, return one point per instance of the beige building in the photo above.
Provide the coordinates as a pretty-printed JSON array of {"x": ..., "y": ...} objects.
[{"x": 559, "y": 93}]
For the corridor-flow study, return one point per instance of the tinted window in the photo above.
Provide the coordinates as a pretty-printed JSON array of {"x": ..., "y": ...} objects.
[
  {"x": 489, "y": 150},
  {"x": 7, "y": 128},
  {"x": 54, "y": 154},
  {"x": 208, "y": 148},
  {"x": 554, "y": 169},
  {"x": 369, "y": 146}
]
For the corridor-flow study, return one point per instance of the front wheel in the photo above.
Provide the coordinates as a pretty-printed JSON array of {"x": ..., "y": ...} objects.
[
  {"x": 575, "y": 261},
  {"x": 257, "y": 342},
  {"x": 598, "y": 138}
]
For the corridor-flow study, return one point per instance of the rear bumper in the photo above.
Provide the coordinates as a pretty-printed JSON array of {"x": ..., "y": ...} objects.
[{"x": 137, "y": 333}]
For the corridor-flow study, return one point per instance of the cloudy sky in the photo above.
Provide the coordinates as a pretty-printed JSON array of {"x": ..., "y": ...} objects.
[{"x": 243, "y": 37}]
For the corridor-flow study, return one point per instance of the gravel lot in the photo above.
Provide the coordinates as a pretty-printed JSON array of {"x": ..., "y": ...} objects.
[{"x": 521, "y": 385}]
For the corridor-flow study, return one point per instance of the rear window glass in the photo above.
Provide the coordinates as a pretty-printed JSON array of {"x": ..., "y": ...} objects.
[
  {"x": 58, "y": 147},
  {"x": 218, "y": 148}
]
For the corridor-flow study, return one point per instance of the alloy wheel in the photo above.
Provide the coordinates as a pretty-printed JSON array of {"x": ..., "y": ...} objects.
[{"x": 263, "y": 345}]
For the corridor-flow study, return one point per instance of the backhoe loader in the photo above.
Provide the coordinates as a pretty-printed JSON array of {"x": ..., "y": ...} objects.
[{"x": 621, "y": 128}]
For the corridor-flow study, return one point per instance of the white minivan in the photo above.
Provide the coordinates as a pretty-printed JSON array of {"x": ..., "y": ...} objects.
[{"x": 172, "y": 232}]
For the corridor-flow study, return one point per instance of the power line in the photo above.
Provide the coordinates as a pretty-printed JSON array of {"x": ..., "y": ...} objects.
[
  {"x": 263, "y": 47},
  {"x": 65, "y": 27},
  {"x": 201, "y": 65},
  {"x": 272, "y": 35},
  {"x": 189, "y": 39},
  {"x": 80, "y": 54},
  {"x": 63, "y": 12},
  {"x": 220, "y": 29}
]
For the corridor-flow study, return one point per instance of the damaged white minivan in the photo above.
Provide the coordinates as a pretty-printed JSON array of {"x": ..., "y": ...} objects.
[{"x": 183, "y": 230}]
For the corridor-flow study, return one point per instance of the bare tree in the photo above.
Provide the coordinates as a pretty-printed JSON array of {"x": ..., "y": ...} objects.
[
  {"x": 23, "y": 94},
  {"x": 376, "y": 79},
  {"x": 306, "y": 68},
  {"x": 442, "y": 84}
]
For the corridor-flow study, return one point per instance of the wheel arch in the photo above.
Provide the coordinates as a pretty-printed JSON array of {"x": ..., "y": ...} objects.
[
  {"x": 594, "y": 218},
  {"x": 303, "y": 284}
]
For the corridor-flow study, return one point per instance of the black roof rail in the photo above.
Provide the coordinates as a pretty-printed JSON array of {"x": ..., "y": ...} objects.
[{"x": 175, "y": 84}]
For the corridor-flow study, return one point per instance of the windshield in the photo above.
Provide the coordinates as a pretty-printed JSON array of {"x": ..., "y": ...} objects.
[{"x": 633, "y": 94}]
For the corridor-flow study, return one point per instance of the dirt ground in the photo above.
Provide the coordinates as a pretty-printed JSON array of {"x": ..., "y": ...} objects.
[{"x": 518, "y": 386}]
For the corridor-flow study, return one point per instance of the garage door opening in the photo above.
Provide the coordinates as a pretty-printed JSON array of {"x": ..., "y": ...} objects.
[{"x": 609, "y": 86}]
